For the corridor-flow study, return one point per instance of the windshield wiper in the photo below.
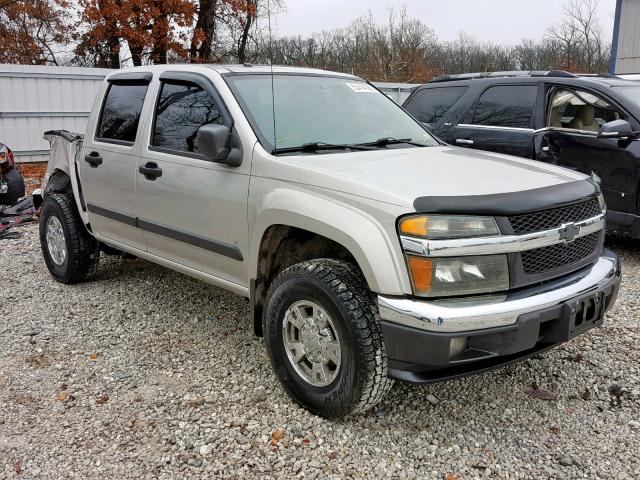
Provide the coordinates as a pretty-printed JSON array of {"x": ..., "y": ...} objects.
[
  {"x": 317, "y": 146},
  {"x": 384, "y": 141}
]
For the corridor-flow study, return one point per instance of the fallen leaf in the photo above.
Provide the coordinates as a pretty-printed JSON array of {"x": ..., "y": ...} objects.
[
  {"x": 63, "y": 396},
  {"x": 196, "y": 402},
  {"x": 93, "y": 357},
  {"x": 555, "y": 430},
  {"x": 103, "y": 399},
  {"x": 37, "y": 361},
  {"x": 306, "y": 441},
  {"x": 451, "y": 476},
  {"x": 333, "y": 455},
  {"x": 17, "y": 466},
  {"x": 541, "y": 394},
  {"x": 139, "y": 424},
  {"x": 26, "y": 400},
  {"x": 276, "y": 436}
]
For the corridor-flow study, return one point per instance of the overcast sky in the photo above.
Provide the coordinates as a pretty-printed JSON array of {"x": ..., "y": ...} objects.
[{"x": 501, "y": 21}]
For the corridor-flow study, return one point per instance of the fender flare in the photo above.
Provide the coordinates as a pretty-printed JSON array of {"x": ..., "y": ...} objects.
[
  {"x": 64, "y": 151},
  {"x": 360, "y": 233}
]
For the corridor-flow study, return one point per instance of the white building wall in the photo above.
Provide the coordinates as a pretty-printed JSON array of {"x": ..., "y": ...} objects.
[
  {"x": 628, "y": 42},
  {"x": 34, "y": 99}
]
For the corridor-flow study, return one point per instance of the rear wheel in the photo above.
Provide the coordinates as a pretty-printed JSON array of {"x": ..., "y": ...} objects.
[
  {"x": 323, "y": 336},
  {"x": 70, "y": 252}
]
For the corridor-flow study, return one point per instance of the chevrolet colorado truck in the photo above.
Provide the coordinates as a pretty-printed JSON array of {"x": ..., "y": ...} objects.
[{"x": 369, "y": 250}]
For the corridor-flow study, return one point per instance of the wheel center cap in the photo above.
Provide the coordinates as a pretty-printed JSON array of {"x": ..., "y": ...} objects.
[{"x": 313, "y": 345}]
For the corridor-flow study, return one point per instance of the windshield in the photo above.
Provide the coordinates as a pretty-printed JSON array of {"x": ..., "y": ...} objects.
[
  {"x": 631, "y": 93},
  {"x": 322, "y": 109}
]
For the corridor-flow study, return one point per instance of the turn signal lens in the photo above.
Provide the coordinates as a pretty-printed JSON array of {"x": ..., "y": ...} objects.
[
  {"x": 414, "y": 226},
  {"x": 421, "y": 273},
  {"x": 448, "y": 226}
]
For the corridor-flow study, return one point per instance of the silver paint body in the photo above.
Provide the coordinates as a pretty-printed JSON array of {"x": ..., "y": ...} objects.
[{"x": 352, "y": 198}]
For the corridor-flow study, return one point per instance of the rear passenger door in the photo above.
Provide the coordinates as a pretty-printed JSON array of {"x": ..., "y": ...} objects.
[
  {"x": 108, "y": 165},
  {"x": 502, "y": 121},
  {"x": 193, "y": 211},
  {"x": 432, "y": 106}
]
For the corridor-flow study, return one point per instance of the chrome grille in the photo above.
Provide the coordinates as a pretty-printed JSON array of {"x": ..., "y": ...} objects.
[
  {"x": 548, "y": 219},
  {"x": 541, "y": 260}
]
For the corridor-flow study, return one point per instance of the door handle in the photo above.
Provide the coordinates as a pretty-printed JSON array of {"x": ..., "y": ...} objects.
[
  {"x": 94, "y": 159},
  {"x": 464, "y": 141},
  {"x": 151, "y": 171}
]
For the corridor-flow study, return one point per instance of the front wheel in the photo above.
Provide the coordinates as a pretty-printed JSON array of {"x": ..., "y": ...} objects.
[
  {"x": 323, "y": 336},
  {"x": 70, "y": 252}
]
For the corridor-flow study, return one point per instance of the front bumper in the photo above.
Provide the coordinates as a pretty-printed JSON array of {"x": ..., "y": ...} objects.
[{"x": 496, "y": 330}]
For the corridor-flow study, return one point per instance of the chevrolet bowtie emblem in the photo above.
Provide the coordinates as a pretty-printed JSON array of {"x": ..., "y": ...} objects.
[{"x": 569, "y": 232}]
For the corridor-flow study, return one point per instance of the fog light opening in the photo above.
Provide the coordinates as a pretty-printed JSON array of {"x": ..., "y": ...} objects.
[{"x": 457, "y": 346}]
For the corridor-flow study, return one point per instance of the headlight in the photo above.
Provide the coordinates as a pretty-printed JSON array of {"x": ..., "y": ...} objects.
[
  {"x": 448, "y": 226},
  {"x": 602, "y": 203},
  {"x": 446, "y": 276}
]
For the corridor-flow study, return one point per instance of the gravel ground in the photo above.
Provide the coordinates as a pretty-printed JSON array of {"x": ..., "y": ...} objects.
[{"x": 145, "y": 373}]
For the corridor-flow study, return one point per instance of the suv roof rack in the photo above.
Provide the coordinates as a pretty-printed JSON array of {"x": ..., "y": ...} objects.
[{"x": 514, "y": 73}]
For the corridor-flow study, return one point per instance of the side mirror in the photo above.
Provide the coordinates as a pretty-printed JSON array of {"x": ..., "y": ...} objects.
[
  {"x": 220, "y": 144},
  {"x": 615, "y": 129},
  {"x": 213, "y": 141}
]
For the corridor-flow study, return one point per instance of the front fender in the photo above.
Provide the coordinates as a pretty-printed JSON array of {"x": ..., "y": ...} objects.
[{"x": 358, "y": 231}]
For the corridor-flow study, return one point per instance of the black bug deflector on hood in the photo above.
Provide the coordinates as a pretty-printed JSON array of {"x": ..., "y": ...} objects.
[{"x": 511, "y": 203}]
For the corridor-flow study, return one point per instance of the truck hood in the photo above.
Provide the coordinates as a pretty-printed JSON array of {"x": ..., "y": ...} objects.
[{"x": 400, "y": 176}]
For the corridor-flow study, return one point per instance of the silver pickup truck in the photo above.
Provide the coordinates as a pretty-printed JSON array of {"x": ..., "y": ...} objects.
[{"x": 368, "y": 249}]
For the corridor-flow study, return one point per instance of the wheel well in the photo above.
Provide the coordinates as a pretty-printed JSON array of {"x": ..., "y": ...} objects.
[
  {"x": 281, "y": 247},
  {"x": 59, "y": 182}
]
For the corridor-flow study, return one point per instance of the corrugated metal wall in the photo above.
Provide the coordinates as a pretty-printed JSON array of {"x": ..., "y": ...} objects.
[
  {"x": 34, "y": 99},
  {"x": 628, "y": 41},
  {"x": 398, "y": 92}
]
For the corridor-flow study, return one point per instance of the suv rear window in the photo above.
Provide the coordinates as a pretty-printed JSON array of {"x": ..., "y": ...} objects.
[
  {"x": 121, "y": 112},
  {"x": 506, "y": 106},
  {"x": 430, "y": 104}
]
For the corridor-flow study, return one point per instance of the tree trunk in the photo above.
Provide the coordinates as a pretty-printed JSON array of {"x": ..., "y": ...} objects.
[
  {"x": 242, "y": 46},
  {"x": 206, "y": 24}
]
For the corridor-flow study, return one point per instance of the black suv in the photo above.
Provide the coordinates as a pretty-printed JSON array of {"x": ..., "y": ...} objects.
[{"x": 583, "y": 122}]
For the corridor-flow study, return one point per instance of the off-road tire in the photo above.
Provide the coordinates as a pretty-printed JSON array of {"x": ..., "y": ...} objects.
[
  {"x": 83, "y": 254},
  {"x": 15, "y": 184},
  {"x": 340, "y": 289}
]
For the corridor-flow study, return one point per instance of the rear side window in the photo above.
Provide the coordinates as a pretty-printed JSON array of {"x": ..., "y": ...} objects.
[
  {"x": 430, "y": 105},
  {"x": 506, "y": 106},
  {"x": 181, "y": 110},
  {"x": 121, "y": 112}
]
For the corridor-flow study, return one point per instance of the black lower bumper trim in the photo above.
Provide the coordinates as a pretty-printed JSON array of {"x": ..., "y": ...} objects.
[{"x": 420, "y": 356}]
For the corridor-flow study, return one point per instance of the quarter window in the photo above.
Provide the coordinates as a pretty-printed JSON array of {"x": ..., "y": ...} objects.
[
  {"x": 182, "y": 109},
  {"x": 431, "y": 104},
  {"x": 506, "y": 106},
  {"x": 121, "y": 112},
  {"x": 580, "y": 110}
]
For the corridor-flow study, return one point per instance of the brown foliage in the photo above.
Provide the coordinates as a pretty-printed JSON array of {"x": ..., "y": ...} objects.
[
  {"x": 32, "y": 30},
  {"x": 150, "y": 28}
]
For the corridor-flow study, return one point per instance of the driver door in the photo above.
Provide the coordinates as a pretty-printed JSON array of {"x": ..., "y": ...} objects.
[
  {"x": 193, "y": 211},
  {"x": 574, "y": 118}
]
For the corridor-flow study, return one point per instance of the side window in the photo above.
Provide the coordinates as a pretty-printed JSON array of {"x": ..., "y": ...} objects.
[
  {"x": 580, "y": 110},
  {"x": 121, "y": 112},
  {"x": 430, "y": 105},
  {"x": 181, "y": 110},
  {"x": 506, "y": 106}
]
